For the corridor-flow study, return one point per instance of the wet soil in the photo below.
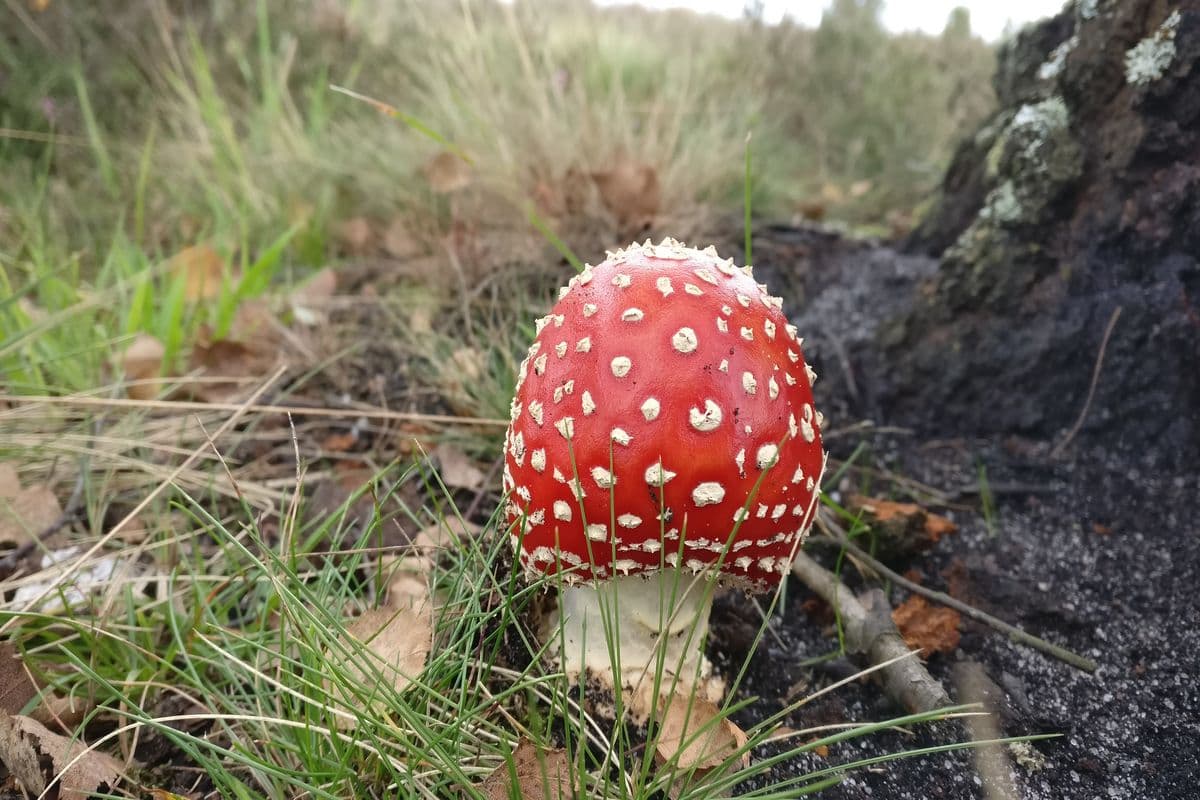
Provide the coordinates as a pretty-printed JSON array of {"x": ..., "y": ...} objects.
[
  {"x": 1102, "y": 558},
  {"x": 1094, "y": 548}
]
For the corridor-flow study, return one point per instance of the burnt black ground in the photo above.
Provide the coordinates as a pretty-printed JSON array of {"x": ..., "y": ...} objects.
[
  {"x": 1103, "y": 558},
  {"x": 1099, "y": 553}
]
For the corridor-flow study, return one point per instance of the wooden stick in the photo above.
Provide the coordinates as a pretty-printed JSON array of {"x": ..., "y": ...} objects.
[
  {"x": 1013, "y": 632},
  {"x": 869, "y": 629},
  {"x": 182, "y": 406}
]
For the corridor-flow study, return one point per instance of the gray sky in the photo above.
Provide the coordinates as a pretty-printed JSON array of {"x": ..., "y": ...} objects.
[{"x": 988, "y": 17}]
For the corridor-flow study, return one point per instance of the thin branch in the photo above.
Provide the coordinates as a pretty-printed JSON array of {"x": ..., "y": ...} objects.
[
  {"x": 1087, "y": 404},
  {"x": 869, "y": 629},
  {"x": 1013, "y": 632},
  {"x": 182, "y": 406}
]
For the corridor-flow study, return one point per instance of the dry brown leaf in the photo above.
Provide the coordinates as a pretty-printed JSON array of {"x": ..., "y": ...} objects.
[
  {"x": 398, "y": 242},
  {"x": 902, "y": 528},
  {"x": 447, "y": 172},
  {"x": 307, "y": 299},
  {"x": 62, "y": 712},
  {"x": 339, "y": 442},
  {"x": 249, "y": 350},
  {"x": 540, "y": 775},
  {"x": 631, "y": 192},
  {"x": 450, "y": 532},
  {"x": 859, "y": 188},
  {"x": 22, "y": 517},
  {"x": 202, "y": 269},
  {"x": 938, "y": 526},
  {"x": 932, "y": 629},
  {"x": 143, "y": 361},
  {"x": 135, "y": 531},
  {"x": 10, "y": 482},
  {"x": 813, "y": 210},
  {"x": 398, "y": 640},
  {"x": 25, "y": 743},
  {"x": 16, "y": 687},
  {"x": 355, "y": 235},
  {"x": 681, "y": 741},
  {"x": 885, "y": 510},
  {"x": 457, "y": 469}
]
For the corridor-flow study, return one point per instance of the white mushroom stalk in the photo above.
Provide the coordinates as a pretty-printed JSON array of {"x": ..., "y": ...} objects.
[{"x": 644, "y": 634}]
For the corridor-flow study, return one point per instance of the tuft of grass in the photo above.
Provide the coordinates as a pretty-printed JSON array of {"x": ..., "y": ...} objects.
[
  {"x": 987, "y": 501},
  {"x": 226, "y": 644}
]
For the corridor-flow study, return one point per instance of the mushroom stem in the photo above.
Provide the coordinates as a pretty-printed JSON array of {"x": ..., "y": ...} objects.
[{"x": 648, "y": 628}]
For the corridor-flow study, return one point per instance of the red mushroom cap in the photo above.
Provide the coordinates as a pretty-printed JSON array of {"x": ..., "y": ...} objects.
[{"x": 665, "y": 396}]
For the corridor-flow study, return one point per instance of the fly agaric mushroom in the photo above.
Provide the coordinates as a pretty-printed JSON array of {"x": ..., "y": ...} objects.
[{"x": 663, "y": 428}]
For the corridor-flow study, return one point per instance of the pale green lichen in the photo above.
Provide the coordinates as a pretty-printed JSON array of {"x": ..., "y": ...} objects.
[
  {"x": 1043, "y": 119},
  {"x": 1149, "y": 59},
  {"x": 1058, "y": 58},
  {"x": 1088, "y": 9},
  {"x": 1029, "y": 163},
  {"x": 1002, "y": 205}
]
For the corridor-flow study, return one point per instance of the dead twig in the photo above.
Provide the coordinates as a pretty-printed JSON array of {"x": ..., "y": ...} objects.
[
  {"x": 182, "y": 406},
  {"x": 1087, "y": 404},
  {"x": 869, "y": 629},
  {"x": 1013, "y": 632},
  {"x": 991, "y": 761}
]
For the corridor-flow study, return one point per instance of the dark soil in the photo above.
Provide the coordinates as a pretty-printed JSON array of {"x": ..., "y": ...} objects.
[
  {"x": 1104, "y": 563},
  {"x": 1093, "y": 550}
]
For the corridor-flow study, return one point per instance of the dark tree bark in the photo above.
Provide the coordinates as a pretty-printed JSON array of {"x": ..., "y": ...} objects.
[{"x": 1079, "y": 196}]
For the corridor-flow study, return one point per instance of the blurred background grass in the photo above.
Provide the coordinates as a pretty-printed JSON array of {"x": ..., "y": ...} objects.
[
  {"x": 163, "y": 123},
  {"x": 171, "y": 170}
]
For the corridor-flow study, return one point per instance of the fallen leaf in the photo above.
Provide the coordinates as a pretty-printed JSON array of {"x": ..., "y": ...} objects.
[
  {"x": 397, "y": 643},
  {"x": 901, "y": 528},
  {"x": 16, "y": 687},
  {"x": 340, "y": 442},
  {"x": 457, "y": 469},
  {"x": 307, "y": 298},
  {"x": 63, "y": 712},
  {"x": 681, "y": 742},
  {"x": 355, "y": 236},
  {"x": 249, "y": 351},
  {"x": 10, "y": 482},
  {"x": 534, "y": 773},
  {"x": 938, "y": 526},
  {"x": 398, "y": 242},
  {"x": 202, "y": 269},
  {"x": 450, "y": 532},
  {"x": 26, "y": 515},
  {"x": 631, "y": 192},
  {"x": 812, "y": 210},
  {"x": 447, "y": 172},
  {"x": 932, "y": 629},
  {"x": 135, "y": 531},
  {"x": 143, "y": 362},
  {"x": 25, "y": 744}
]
